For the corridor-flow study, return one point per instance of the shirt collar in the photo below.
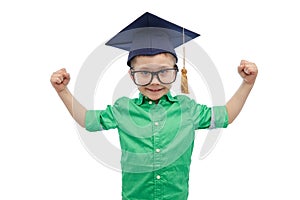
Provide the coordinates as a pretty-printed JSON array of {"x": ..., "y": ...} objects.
[{"x": 167, "y": 97}]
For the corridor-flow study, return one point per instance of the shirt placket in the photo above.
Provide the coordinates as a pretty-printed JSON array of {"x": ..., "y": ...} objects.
[{"x": 158, "y": 119}]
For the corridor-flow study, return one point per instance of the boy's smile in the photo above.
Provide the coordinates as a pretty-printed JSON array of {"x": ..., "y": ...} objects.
[{"x": 155, "y": 90}]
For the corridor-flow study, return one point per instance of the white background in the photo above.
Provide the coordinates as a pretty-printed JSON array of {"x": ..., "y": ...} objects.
[{"x": 41, "y": 154}]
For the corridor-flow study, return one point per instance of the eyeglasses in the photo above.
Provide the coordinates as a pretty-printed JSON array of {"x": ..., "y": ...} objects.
[{"x": 164, "y": 76}]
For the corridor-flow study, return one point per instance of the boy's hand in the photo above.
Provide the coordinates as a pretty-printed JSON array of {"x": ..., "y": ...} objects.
[
  {"x": 60, "y": 80},
  {"x": 248, "y": 71}
]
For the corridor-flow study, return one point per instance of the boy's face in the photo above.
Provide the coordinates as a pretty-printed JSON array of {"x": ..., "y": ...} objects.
[{"x": 155, "y": 89}]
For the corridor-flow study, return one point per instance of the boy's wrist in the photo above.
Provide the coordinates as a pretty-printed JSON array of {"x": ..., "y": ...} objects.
[
  {"x": 63, "y": 92},
  {"x": 247, "y": 85}
]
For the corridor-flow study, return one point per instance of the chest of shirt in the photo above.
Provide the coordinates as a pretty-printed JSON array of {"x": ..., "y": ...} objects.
[{"x": 145, "y": 126}]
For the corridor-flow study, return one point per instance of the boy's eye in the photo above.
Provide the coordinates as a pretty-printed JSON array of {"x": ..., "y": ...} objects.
[
  {"x": 145, "y": 73},
  {"x": 164, "y": 72}
]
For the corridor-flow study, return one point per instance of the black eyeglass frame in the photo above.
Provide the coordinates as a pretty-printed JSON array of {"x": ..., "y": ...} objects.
[{"x": 132, "y": 72}]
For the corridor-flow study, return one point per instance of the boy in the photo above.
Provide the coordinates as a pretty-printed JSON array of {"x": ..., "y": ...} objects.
[{"x": 156, "y": 130}]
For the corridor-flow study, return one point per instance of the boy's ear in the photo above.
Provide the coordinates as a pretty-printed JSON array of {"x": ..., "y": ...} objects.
[{"x": 129, "y": 72}]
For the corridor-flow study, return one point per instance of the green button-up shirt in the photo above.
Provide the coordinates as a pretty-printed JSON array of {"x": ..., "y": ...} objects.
[{"x": 157, "y": 142}]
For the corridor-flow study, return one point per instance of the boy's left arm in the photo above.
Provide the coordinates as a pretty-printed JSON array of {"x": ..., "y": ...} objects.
[{"x": 248, "y": 71}]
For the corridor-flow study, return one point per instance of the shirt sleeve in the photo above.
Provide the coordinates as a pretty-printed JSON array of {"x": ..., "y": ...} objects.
[
  {"x": 208, "y": 117},
  {"x": 98, "y": 120},
  {"x": 219, "y": 117}
]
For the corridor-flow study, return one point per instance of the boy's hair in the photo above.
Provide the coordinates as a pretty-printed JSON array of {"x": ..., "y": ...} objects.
[{"x": 133, "y": 60}]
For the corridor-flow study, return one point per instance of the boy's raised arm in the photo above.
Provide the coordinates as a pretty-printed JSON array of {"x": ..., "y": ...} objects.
[
  {"x": 248, "y": 71},
  {"x": 59, "y": 81}
]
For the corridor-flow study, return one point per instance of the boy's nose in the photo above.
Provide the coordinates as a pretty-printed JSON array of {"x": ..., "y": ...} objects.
[{"x": 155, "y": 80}]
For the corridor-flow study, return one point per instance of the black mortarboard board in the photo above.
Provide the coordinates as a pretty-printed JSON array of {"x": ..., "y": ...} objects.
[{"x": 151, "y": 35}]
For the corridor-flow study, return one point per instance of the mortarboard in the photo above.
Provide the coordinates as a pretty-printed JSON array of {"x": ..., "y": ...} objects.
[{"x": 151, "y": 35}]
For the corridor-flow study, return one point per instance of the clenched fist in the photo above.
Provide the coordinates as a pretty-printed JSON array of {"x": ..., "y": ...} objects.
[
  {"x": 60, "y": 80},
  {"x": 248, "y": 71}
]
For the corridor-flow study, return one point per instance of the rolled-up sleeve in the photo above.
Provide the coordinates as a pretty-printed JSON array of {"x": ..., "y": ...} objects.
[
  {"x": 219, "y": 117},
  {"x": 208, "y": 117}
]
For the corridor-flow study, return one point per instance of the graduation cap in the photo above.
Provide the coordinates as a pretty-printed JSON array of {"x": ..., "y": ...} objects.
[{"x": 150, "y": 35}]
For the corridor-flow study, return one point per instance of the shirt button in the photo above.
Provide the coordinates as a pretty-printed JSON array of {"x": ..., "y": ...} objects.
[
  {"x": 150, "y": 102},
  {"x": 156, "y": 123},
  {"x": 158, "y": 177},
  {"x": 157, "y": 150}
]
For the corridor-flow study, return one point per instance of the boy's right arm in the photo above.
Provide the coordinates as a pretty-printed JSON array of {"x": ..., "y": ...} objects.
[{"x": 59, "y": 81}]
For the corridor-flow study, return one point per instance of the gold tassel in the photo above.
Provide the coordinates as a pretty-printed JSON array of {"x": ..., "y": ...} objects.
[{"x": 184, "y": 81}]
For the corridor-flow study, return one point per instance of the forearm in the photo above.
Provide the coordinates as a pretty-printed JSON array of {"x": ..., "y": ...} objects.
[
  {"x": 237, "y": 101},
  {"x": 74, "y": 107}
]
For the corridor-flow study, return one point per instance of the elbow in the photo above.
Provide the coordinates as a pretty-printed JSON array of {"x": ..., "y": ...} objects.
[
  {"x": 230, "y": 120},
  {"x": 230, "y": 115},
  {"x": 81, "y": 124}
]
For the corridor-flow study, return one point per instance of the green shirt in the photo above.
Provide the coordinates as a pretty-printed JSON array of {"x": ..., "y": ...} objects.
[{"x": 157, "y": 142}]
